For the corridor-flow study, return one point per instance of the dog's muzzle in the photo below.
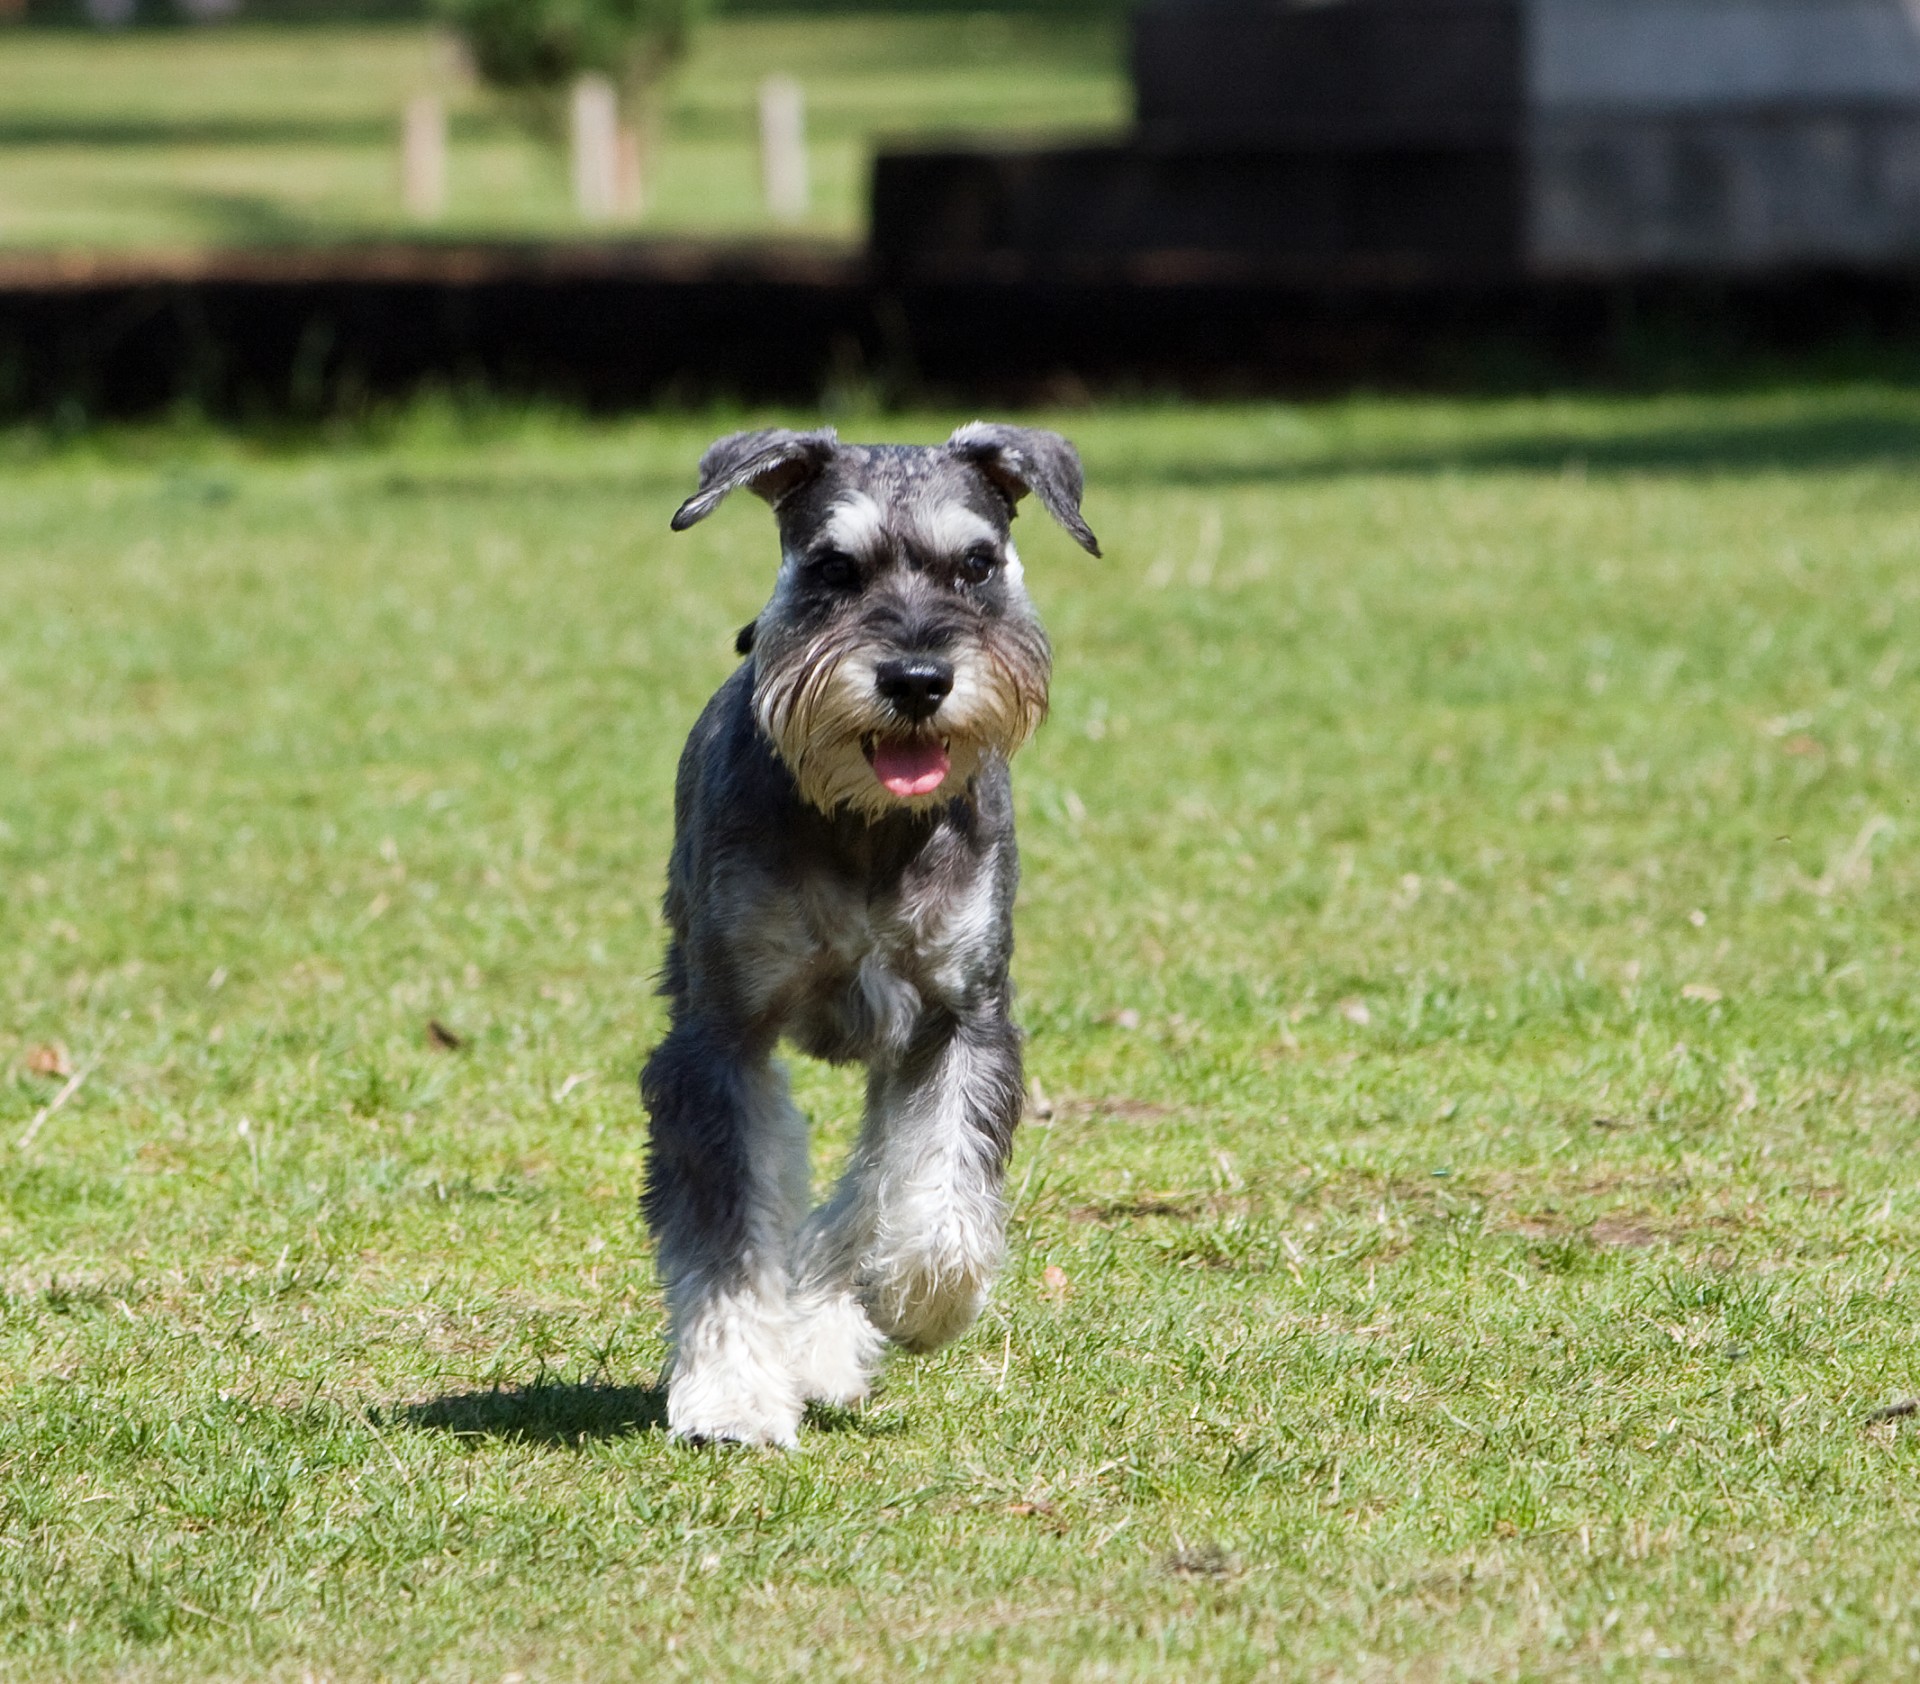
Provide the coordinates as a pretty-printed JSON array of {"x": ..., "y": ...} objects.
[{"x": 916, "y": 761}]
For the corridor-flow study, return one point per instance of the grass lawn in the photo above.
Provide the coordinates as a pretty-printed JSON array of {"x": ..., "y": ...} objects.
[
  {"x": 1468, "y": 944},
  {"x": 248, "y": 135}
]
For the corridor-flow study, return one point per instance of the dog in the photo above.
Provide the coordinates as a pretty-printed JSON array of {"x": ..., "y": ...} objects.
[{"x": 843, "y": 876}]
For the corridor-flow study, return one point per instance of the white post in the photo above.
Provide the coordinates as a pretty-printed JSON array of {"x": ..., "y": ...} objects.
[
  {"x": 596, "y": 149},
  {"x": 423, "y": 157},
  {"x": 630, "y": 178},
  {"x": 783, "y": 148}
]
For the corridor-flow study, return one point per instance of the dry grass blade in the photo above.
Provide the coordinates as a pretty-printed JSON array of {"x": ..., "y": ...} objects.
[{"x": 71, "y": 1087}]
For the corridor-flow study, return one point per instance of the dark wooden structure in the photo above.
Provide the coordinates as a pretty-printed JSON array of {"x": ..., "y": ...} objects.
[
  {"x": 612, "y": 328},
  {"x": 1455, "y": 140},
  {"x": 292, "y": 331}
]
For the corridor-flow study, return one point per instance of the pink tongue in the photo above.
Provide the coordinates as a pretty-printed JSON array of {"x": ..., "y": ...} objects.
[{"x": 915, "y": 767}]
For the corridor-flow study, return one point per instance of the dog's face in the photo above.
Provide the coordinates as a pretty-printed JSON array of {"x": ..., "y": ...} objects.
[{"x": 899, "y": 650}]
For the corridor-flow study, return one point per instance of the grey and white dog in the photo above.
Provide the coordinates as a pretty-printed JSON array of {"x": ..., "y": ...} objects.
[{"x": 843, "y": 875}]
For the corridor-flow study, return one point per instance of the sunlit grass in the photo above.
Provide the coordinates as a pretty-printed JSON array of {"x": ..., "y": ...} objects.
[{"x": 1467, "y": 942}]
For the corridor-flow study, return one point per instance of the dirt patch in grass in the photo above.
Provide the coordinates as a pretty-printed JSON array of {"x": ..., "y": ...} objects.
[
  {"x": 1624, "y": 1230},
  {"x": 1119, "y": 1108},
  {"x": 1636, "y": 1211},
  {"x": 1171, "y": 1206},
  {"x": 1621, "y": 1233}
]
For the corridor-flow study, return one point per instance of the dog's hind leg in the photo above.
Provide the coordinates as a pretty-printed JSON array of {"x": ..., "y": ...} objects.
[
  {"x": 918, "y": 1225},
  {"x": 726, "y": 1183}
]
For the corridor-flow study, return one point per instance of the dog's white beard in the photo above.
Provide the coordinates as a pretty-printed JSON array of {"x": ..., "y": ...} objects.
[{"x": 822, "y": 715}]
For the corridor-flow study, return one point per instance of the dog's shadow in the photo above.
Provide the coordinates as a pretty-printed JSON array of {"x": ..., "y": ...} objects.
[
  {"x": 566, "y": 1417},
  {"x": 544, "y": 1413}
]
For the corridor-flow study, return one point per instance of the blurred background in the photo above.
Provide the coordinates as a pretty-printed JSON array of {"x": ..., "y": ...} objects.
[
  {"x": 132, "y": 124},
  {"x": 619, "y": 199}
]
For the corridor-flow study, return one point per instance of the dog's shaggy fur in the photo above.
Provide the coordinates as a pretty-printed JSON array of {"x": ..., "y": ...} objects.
[{"x": 843, "y": 875}]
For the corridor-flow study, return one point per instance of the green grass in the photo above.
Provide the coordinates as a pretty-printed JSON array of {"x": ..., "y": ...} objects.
[
  {"x": 1468, "y": 941},
  {"x": 257, "y": 135}
]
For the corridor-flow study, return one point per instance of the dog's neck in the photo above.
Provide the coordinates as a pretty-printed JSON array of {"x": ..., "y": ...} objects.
[{"x": 880, "y": 849}]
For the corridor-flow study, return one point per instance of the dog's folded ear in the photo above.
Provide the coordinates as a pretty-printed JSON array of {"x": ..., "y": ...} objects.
[
  {"x": 1023, "y": 459},
  {"x": 771, "y": 462}
]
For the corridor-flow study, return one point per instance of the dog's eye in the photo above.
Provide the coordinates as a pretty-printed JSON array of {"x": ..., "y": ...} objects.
[
  {"x": 835, "y": 569},
  {"x": 977, "y": 564}
]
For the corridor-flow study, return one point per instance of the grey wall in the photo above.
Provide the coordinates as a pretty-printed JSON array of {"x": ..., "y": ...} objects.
[
  {"x": 1712, "y": 54},
  {"x": 1722, "y": 135}
]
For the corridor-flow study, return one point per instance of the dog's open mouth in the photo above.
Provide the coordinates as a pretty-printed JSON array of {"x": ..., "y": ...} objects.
[{"x": 908, "y": 766}]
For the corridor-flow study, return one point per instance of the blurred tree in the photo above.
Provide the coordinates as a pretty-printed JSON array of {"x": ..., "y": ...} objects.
[{"x": 534, "y": 50}]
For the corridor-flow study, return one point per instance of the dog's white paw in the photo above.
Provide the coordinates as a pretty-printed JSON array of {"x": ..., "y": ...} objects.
[
  {"x": 836, "y": 1349},
  {"x": 704, "y": 1408},
  {"x": 927, "y": 1307},
  {"x": 732, "y": 1379}
]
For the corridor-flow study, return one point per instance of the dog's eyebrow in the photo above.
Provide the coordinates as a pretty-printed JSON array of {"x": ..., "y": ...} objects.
[
  {"x": 855, "y": 524},
  {"x": 947, "y": 529}
]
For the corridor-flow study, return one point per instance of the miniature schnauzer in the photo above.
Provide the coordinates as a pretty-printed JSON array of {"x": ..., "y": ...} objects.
[{"x": 843, "y": 874}]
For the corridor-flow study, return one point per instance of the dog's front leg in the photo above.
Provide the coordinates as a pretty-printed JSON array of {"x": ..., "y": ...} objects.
[
  {"x": 725, "y": 1183},
  {"x": 836, "y": 1347},
  {"x": 930, "y": 1169}
]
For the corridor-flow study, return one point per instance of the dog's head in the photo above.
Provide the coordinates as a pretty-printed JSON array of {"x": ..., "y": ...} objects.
[{"x": 899, "y": 651}]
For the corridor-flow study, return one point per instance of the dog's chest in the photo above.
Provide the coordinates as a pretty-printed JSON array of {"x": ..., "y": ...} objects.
[{"x": 865, "y": 961}]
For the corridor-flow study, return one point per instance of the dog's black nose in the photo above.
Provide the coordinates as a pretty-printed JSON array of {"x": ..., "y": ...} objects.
[{"x": 916, "y": 688}]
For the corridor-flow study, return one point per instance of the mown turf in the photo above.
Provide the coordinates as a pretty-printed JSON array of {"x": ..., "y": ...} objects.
[
  {"x": 1466, "y": 940},
  {"x": 246, "y": 135}
]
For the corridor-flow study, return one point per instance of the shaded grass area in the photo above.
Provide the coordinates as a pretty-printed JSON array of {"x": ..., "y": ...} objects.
[
  {"x": 258, "y": 135},
  {"x": 551, "y": 1414},
  {"x": 1467, "y": 943}
]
